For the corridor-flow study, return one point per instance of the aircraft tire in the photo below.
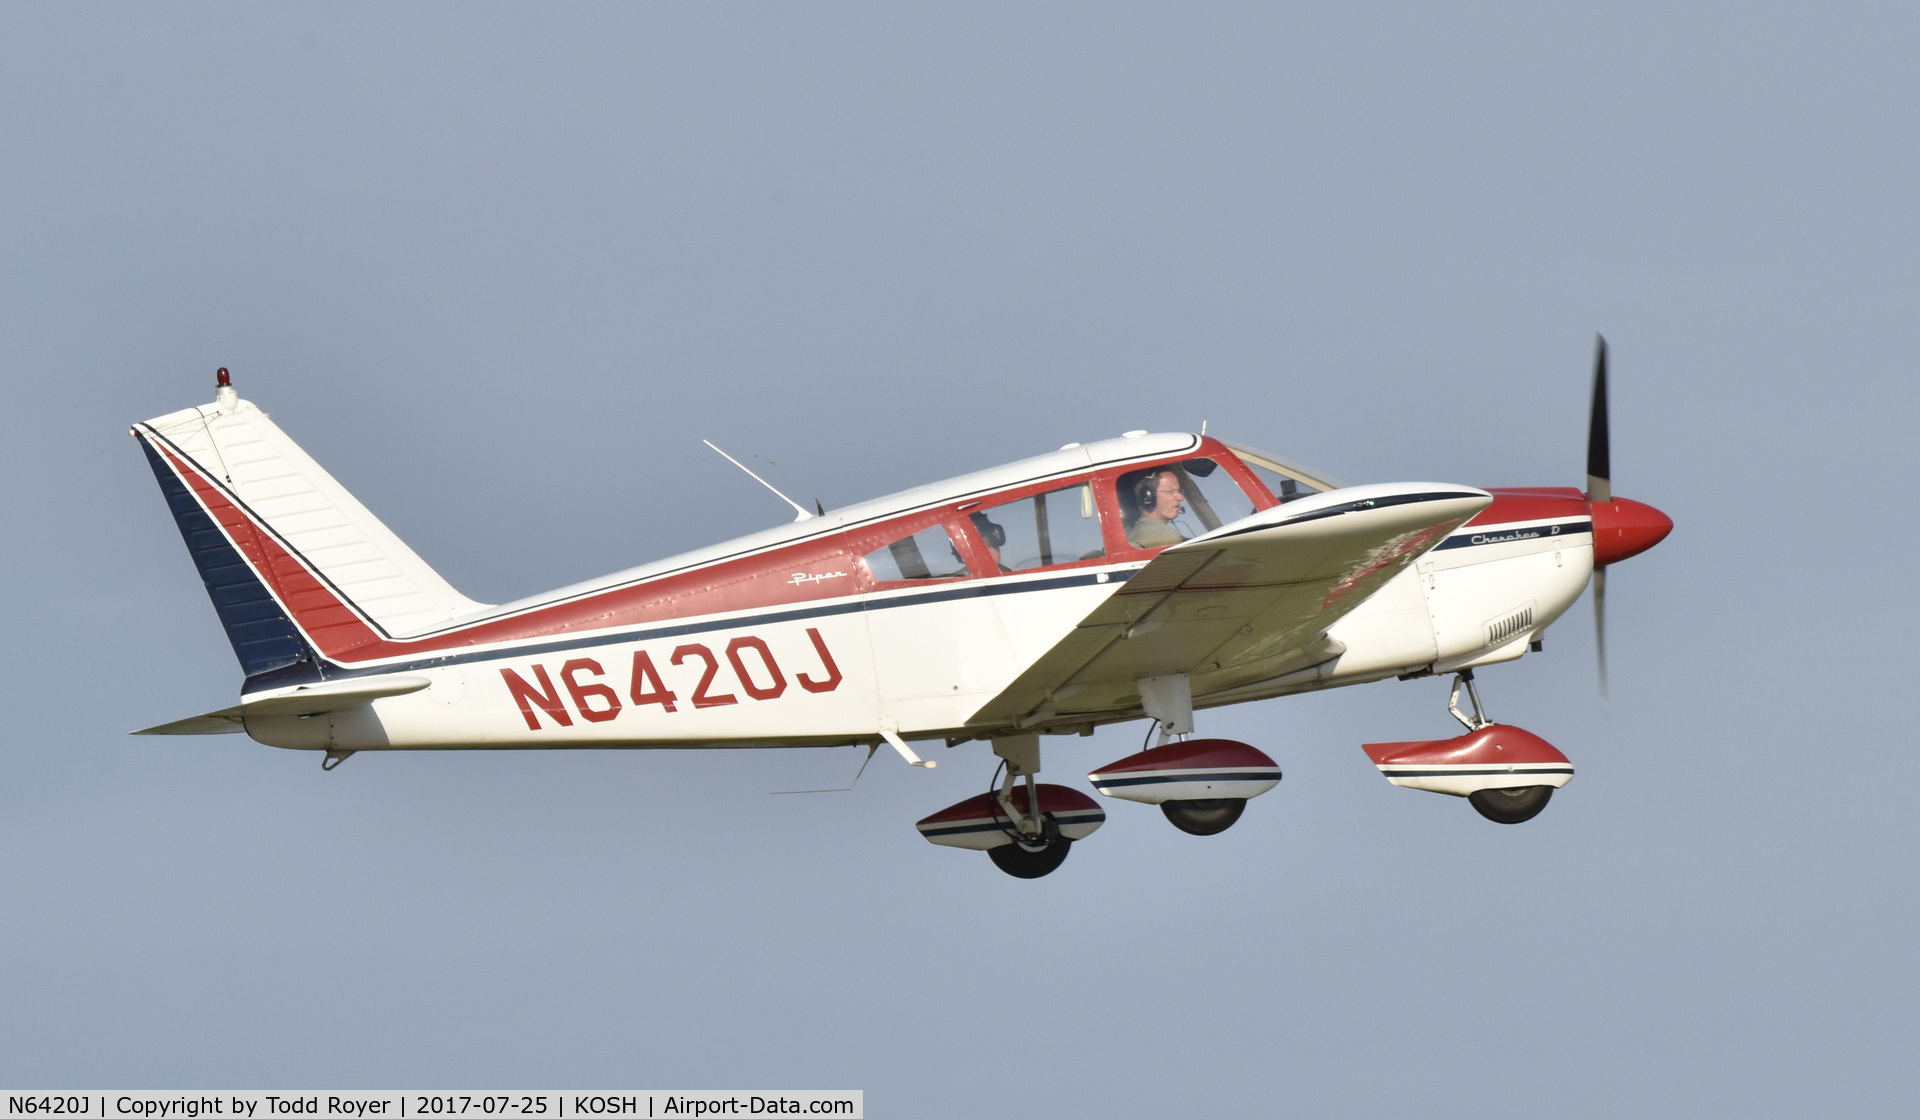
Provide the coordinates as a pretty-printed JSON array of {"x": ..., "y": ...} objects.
[
  {"x": 1206, "y": 816},
  {"x": 1511, "y": 806},
  {"x": 1024, "y": 862}
]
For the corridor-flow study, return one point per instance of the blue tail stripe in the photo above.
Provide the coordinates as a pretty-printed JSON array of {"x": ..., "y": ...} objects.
[{"x": 263, "y": 637}]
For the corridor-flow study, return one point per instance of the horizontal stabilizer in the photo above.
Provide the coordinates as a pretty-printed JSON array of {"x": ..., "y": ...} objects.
[
  {"x": 226, "y": 721},
  {"x": 329, "y": 696},
  {"x": 301, "y": 700}
]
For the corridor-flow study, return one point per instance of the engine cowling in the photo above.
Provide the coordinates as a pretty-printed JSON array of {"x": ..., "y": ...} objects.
[
  {"x": 1497, "y": 756},
  {"x": 981, "y": 823},
  {"x": 1196, "y": 770}
]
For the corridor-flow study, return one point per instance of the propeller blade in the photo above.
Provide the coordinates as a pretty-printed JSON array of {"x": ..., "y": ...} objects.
[
  {"x": 1599, "y": 464},
  {"x": 1600, "y": 625}
]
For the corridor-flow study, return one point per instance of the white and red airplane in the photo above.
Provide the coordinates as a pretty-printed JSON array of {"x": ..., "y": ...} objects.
[{"x": 1141, "y": 577}]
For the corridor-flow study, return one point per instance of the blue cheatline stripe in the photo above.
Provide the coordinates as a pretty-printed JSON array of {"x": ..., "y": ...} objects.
[
  {"x": 264, "y": 638},
  {"x": 1502, "y": 772},
  {"x": 1498, "y": 535},
  {"x": 798, "y": 614},
  {"x": 1222, "y": 776}
]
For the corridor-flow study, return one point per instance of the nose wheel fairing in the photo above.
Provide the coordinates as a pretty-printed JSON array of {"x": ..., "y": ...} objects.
[
  {"x": 1507, "y": 773},
  {"x": 1494, "y": 756}
]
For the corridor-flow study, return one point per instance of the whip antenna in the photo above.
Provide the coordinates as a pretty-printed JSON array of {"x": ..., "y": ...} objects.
[{"x": 798, "y": 508}]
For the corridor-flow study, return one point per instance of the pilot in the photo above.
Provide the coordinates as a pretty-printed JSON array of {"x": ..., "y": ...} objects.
[
  {"x": 993, "y": 535},
  {"x": 1158, "y": 497}
]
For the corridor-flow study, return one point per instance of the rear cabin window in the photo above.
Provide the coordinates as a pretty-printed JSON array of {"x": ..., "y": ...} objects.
[
  {"x": 927, "y": 554},
  {"x": 1174, "y": 502},
  {"x": 1057, "y": 527}
]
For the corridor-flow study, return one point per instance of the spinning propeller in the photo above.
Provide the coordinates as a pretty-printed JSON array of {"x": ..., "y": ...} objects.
[{"x": 1622, "y": 527}]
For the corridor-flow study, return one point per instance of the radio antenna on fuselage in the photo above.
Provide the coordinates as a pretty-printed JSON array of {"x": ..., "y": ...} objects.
[{"x": 798, "y": 508}]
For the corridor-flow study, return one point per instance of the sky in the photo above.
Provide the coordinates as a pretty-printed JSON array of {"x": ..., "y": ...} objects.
[{"x": 500, "y": 268}]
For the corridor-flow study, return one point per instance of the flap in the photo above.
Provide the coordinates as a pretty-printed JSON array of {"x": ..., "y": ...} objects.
[{"x": 1244, "y": 603}]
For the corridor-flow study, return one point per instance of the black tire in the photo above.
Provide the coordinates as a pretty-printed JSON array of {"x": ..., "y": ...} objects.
[
  {"x": 1208, "y": 816},
  {"x": 1026, "y": 862},
  {"x": 1511, "y": 806}
]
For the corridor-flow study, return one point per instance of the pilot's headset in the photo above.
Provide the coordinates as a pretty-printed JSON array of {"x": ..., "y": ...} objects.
[
  {"x": 1146, "y": 492},
  {"x": 990, "y": 531}
]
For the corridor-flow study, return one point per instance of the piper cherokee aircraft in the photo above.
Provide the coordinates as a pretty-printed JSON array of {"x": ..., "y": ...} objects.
[{"x": 1149, "y": 576}]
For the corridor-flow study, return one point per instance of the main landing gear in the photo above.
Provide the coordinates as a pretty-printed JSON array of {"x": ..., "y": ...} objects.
[
  {"x": 1201, "y": 785},
  {"x": 1506, "y": 773},
  {"x": 1027, "y": 828}
]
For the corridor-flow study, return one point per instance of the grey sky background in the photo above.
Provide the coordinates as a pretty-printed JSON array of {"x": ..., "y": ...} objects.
[{"x": 500, "y": 268}]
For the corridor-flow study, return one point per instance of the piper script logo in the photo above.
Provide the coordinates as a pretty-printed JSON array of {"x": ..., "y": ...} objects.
[{"x": 800, "y": 579}]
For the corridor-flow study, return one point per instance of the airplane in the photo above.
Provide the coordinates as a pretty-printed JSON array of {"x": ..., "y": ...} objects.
[{"x": 1149, "y": 576}]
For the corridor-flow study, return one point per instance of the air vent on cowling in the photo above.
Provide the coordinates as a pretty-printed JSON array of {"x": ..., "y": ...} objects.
[{"x": 1502, "y": 631}]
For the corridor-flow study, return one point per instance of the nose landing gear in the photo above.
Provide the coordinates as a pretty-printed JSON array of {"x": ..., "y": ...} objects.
[
  {"x": 1511, "y": 805},
  {"x": 1507, "y": 774}
]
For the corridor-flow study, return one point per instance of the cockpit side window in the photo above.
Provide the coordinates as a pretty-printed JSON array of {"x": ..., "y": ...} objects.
[
  {"x": 927, "y": 554},
  {"x": 1057, "y": 527},
  {"x": 1173, "y": 502}
]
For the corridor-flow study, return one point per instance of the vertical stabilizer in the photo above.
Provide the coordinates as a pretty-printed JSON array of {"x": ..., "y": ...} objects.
[{"x": 232, "y": 448}]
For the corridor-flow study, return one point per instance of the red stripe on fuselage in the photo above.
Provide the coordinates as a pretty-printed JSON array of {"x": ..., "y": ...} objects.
[
  {"x": 1531, "y": 503},
  {"x": 339, "y": 632}
]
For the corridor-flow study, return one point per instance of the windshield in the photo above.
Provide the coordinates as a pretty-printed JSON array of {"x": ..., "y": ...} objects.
[{"x": 1285, "y": 481}]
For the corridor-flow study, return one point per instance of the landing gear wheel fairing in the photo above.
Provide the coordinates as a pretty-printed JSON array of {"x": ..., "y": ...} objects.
[{"x": 1511, "y": 806}]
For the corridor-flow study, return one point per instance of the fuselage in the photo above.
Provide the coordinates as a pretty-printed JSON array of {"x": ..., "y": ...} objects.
[{"x": 907, "y": 613}]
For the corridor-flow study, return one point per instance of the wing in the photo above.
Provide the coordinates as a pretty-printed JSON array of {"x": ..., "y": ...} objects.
[{"x": 1244, "y": 603}]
